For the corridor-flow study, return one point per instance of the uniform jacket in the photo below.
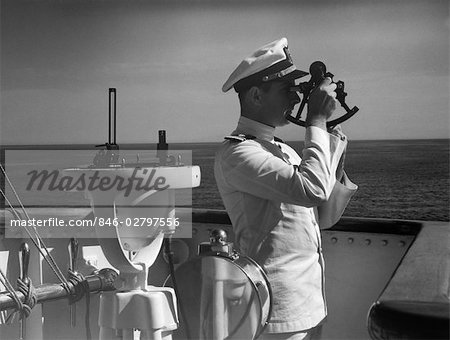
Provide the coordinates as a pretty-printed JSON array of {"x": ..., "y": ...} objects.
[{"x": 276, "y": 201}]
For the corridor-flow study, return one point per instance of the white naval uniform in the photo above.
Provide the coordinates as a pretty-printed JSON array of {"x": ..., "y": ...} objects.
[{"x": 274, "y": 199}]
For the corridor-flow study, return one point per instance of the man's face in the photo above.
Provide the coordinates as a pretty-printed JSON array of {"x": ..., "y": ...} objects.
[{"x": 279, "y": 101}]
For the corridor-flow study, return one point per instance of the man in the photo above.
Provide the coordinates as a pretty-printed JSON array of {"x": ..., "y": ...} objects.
[{"x": 277, "y": 200}]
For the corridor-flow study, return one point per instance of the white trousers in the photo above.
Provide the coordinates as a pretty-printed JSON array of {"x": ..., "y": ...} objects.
[{"x": 309, "y": 334}]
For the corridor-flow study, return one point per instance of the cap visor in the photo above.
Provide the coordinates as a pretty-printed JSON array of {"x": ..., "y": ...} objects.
[{"x": 294, "y": 75}]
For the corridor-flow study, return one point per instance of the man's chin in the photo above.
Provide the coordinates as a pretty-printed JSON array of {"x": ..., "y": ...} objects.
[{"x": 285, "y": 120}]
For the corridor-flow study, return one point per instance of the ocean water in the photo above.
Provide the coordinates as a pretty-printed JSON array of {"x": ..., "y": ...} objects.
[{"x": 398, "y": 179}]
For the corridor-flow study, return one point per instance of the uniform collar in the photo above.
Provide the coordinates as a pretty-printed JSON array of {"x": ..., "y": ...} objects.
[{"x": 248, "y": 126}]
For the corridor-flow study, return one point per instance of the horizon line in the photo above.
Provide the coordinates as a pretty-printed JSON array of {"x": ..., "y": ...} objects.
[{"x": 209, "y": 142}]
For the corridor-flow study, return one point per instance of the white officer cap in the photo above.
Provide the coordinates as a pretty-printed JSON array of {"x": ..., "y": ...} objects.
[{"x": 270, "y": 62}]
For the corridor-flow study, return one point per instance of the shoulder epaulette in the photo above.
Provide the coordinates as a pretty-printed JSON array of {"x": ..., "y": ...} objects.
[
  {"x": 278, "y": 139},
  {"x": 239, "y": 138}
]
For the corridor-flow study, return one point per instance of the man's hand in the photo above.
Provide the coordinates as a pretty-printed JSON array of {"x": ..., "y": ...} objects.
[{"x": 321, "y": 104}]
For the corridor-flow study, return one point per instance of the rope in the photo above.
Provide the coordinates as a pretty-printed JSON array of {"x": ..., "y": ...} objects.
[
  {"x": 39, "y": 243},
  {"x": 81, "y": 289},
  {"x": 79, "y": 283},
  {"x": 19, "y": 305},
  {"x": 13, "y": 189},
  {"x": 78, "y": 280},
  {"x": 27, "y": 289}
]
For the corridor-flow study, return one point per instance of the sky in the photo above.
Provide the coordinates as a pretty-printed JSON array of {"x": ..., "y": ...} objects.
[{"x": 169, "y": 59}]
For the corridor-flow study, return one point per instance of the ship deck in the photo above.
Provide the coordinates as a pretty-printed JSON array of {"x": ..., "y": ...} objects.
[{"x": 377, "y": 270}]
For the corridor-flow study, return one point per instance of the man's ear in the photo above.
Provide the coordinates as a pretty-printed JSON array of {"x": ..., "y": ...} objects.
[{"x": 254, "y": 95}]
